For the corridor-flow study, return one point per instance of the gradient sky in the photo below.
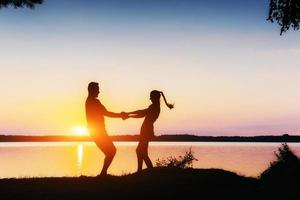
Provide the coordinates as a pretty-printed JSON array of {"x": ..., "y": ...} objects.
[{"x": 227, "y": 69}]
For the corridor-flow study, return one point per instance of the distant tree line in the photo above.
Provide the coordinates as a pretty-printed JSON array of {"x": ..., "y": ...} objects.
[{"x": 161, "y": 138}]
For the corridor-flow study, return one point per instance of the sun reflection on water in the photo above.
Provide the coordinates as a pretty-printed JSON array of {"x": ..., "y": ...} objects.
[{"x": 79, "y": 159}]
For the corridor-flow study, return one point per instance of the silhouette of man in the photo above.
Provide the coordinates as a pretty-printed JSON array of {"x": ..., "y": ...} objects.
[{"x": 95, "y": 113}]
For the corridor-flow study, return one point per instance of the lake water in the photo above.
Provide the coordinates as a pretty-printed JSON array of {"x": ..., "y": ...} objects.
[{"x": 57, "y": 159}]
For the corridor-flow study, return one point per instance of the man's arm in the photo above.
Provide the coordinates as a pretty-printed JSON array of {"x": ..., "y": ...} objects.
[
  {"x": 107, "y": 113},
  {"x": 114, "y": 115}
]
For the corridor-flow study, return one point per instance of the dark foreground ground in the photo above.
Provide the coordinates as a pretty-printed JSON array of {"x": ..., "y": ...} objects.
[{"x": 159, "y": 183}]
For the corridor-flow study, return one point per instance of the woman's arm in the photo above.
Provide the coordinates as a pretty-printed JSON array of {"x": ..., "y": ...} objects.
[{"x": 138, "y": 113}]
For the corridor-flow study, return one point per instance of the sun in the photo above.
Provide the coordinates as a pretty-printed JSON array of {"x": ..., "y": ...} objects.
[{"x": 80, "y": 131}]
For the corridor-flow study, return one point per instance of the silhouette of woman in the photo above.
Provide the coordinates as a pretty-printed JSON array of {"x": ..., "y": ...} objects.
[{"x": 147, "y": 129}]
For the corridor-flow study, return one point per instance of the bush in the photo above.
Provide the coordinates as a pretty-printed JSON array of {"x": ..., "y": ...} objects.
[
  {"x": 285, "y": 170},
  {"x": 185, "y": 161}
]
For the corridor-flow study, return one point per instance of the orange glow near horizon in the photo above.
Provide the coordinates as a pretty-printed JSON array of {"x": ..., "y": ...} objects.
[{"x": 80, "y": 131}]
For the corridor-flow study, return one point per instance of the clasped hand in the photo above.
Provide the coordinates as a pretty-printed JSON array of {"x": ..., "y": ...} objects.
[{"x": 124, "y": 115}]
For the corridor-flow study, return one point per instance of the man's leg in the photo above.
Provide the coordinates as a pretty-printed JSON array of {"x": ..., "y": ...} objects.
[
  {"x": 107, "y": 161},
  {"x": 109, "y": 150}
]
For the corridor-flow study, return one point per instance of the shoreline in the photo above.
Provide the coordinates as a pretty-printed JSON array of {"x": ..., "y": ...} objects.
[{"x": 162, "y": 138}]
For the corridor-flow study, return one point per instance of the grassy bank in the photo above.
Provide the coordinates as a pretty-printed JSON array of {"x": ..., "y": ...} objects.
[
  {"x": 159, "y": 183},
  {"x": 156, "y": 183}
]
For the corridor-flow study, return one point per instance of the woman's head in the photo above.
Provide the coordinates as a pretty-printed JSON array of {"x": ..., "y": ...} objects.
[{"x": 155, "y": 97}]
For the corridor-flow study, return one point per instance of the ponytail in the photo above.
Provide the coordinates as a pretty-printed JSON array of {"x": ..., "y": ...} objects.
[{"x": 167, "y": 104}]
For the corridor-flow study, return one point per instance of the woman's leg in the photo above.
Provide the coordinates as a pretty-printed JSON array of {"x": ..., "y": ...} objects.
[
  {"x": 142, "y": 154},
  {"x": 146, "y": 157},
  {"x": 139, "y": 157}
]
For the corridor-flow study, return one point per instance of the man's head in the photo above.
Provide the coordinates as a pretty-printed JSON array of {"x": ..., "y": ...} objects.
[{"x": 93, "y": 89}]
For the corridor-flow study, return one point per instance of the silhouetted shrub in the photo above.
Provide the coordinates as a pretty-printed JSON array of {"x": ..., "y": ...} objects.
[
  {"x": 286, "y": 13},
  {"x": 286, "y": 159},
  {"x": 185, "y": 161},
  {"x": 20, "y": 3},
  {"x": 284, "y": 172}
]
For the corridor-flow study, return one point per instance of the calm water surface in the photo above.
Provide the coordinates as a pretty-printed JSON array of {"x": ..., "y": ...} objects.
[{"x": 34, "y": 159}]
